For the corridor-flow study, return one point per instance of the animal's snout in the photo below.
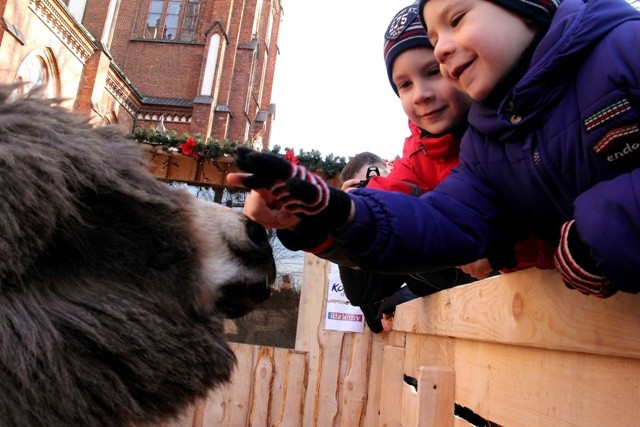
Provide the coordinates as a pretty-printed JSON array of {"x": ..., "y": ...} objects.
[
  {"x": 257, "y": 235},
  {"x": 238, "y": 299},
  {"x": 259, "y": 253}
]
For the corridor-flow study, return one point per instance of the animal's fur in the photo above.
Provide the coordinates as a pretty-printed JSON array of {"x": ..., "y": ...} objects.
[{"x": 112, "y": 284}]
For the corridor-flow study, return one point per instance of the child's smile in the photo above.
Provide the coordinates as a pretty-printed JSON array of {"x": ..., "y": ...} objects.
[{"x": 463, "y": 42}]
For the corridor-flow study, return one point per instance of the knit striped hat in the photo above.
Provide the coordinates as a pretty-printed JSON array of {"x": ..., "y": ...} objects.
[
  {"x": 539, "y": 11},
  {"x": 403, "y": 33}
]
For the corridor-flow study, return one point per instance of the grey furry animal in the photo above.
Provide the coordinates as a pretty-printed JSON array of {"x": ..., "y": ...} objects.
[{"x": 113, "y": 285}]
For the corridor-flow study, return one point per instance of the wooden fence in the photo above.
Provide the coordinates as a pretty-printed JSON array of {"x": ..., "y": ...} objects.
[{"x": 513, "y": 350}]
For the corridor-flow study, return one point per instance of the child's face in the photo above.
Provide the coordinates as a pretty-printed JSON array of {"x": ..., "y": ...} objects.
[
  {"x": 428, "y": 99},
  {"x": 476, "y": 42}
]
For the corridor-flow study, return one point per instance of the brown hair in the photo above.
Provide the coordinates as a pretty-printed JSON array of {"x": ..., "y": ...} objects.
[{"x": 357, "y": 162}]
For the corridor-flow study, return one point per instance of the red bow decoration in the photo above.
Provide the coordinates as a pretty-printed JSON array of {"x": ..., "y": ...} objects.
[
  {"x": 291, "y": 156},
  {"x": 188, "y": 148}
]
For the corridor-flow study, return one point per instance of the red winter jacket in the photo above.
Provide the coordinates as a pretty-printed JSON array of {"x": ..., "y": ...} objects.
[{"x": 425, "y": 162}]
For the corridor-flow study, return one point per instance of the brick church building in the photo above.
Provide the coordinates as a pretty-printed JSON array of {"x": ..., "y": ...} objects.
[{"x": 196, "y": 66}]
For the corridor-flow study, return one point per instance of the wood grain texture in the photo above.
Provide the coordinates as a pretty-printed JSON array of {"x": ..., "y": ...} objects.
[
  {"x": 392, "y": 381},
  {"x": 432, "y": 403},
  {"x": 530, "y": 308}
]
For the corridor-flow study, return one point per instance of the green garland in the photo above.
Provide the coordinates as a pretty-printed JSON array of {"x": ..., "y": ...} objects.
[{"x": 211, "y": 149}]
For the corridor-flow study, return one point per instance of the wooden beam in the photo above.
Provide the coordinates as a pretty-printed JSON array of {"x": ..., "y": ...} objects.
[{"x": 530, "y": 308}]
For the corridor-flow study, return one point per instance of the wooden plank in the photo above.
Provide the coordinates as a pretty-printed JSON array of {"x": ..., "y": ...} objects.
[
  {"x": 233, "y": 409},
  {"x": 436, "y": 389},
  {"x": 181, "y": 168},
  {"x": 396, "y": 338},
  {"x": 310, "y": 312},
  {"x": 199, "y": 412},
  {"x": 261, "y": 386},
  {"x": 355, "y": 385},
  {"x": 156, "y": 162},
  {"x": 428, "y": 350},
  {"x": 409, "y": 406},
  {"x": 459, "y": 422},
  {"x": 178, "y": 167},
  {"x": 314, "y": 277},
  {"x": 532, "y": 308},
  {"x": 215, "y": 173},
  {"x": 376, "y": 388},
  {"x": 278, "y": 387},
  {"x": 212, "y": 413},
  {"x": 525, "y": 386},
  {"x": 392, "y": 381},
  {"x": 324, "y": 347},
  {"x": 292, "y": 384},
  {"x": 328, "y": 377}
]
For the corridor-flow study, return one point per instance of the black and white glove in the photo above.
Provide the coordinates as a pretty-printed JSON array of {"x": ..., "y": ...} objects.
[
  {"x": 573, "y": 261},
  {"x": 294, "y": 187}
]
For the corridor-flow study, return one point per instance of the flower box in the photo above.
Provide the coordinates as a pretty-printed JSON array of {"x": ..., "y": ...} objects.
[{"x": 174, "y": 166}]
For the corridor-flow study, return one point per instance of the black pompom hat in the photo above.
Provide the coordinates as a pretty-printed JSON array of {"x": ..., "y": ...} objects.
[{"x": 403, "y": 33}]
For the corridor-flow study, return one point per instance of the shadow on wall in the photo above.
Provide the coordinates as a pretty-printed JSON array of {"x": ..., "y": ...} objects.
[
  {"x": 275, "y": 321},
  {"x": 272, "y": 324}
]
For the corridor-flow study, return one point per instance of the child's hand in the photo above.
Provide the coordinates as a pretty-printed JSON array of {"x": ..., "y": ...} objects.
[
  {"x": 350, "y": 184},
  {"x": 478, "y": 269},
  {"x": 258, "y": 209},
  {"x": 291, "y": 187},
  {"x": 578, "y": 271},
  {"x": 261, "y": 207},
  {"x": 387, "y": 322}
]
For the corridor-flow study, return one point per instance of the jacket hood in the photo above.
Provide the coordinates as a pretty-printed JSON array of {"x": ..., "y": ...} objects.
[{"x": 576, "y": 27}]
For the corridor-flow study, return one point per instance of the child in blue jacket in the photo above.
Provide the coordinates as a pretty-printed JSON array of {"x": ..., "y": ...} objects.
[{"x": 553, "y": 148}]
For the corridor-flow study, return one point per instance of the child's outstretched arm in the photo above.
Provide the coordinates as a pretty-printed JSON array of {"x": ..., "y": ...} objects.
[
  {"x": 285, "y": 188},
  {"x": 380, "y": 230}
]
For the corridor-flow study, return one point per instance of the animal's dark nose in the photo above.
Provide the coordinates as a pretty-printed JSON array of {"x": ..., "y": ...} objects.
[{"x": 257, "y": 234}]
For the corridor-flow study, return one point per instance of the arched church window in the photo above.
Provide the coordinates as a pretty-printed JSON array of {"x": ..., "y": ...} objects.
[{"x": 38, "y": 69}]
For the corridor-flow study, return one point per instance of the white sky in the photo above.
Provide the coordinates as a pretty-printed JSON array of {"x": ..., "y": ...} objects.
[{"x": 330, "y": 86}]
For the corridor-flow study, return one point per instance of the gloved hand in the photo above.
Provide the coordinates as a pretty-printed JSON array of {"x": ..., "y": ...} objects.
[
  {"x": 309, "y": 236},
  {"x": 294, "y": 187},
  {"x": 573, "y": 261}
]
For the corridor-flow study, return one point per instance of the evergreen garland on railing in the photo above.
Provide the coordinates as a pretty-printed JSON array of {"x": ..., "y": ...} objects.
[{"x": 211, "y": 149}]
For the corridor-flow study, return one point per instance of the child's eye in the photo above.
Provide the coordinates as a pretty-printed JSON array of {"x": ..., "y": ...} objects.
[
  {"x": 404, "y": 84},
  {"x": 456, "y": 20},
  {"x": 432, "y": 72}
]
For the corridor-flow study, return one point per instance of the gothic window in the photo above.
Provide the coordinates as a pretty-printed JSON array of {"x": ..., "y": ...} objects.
[
  {"x": 38, "y": 70},
  {"x": 190, "y": 20},
  {"x": 172, "y": 20}
]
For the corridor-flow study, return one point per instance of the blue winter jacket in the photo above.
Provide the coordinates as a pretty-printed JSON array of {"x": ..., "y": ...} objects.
[{"x": 563, "y": 144}]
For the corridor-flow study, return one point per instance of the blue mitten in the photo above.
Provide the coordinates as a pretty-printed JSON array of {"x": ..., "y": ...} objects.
[
  {"x": 573, "y": 261},
  {"x": 295, "y": 188}
]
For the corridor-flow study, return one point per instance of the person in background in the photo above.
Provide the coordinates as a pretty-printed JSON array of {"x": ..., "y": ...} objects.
[
  {"x": 376, "y": 294},
  {"x": 551, "y": 149},
  {"x": 387, "y": 310}
]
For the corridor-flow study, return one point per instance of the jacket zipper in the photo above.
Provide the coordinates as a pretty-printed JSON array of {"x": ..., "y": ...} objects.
[
  {"x": 552, "y": 187},
  {"x": 420, "y": 148}
]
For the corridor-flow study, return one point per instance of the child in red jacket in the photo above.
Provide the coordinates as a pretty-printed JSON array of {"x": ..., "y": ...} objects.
[{"x": 437, "y": 112}]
